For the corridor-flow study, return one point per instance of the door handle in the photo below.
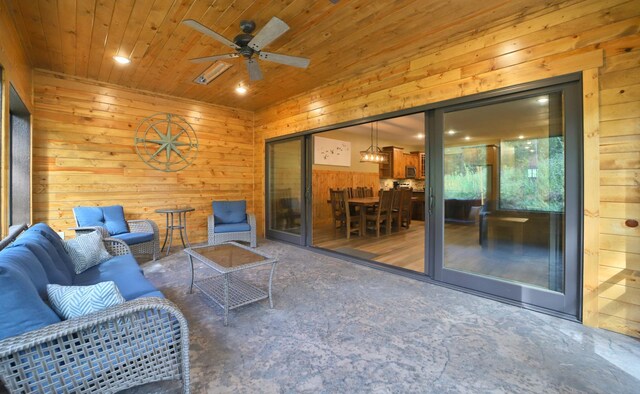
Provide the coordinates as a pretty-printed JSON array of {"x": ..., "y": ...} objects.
[{"x": 431, "y": 199}]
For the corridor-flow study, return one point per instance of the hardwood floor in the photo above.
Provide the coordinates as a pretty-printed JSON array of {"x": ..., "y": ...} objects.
[
  {"x": 402, "y": 248},
  {"x": 405, "y": 248}
]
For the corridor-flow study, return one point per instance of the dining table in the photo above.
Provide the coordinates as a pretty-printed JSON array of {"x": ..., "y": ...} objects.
[{"x": 363, "y": 203}]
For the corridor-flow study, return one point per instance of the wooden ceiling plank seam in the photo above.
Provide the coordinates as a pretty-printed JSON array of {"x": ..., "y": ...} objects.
[
  {"x": 117, "y": 26},
  {"x": 19, "y": 22},
  {"x": 535, "y": 37},
  {"x": 35, "y": 31},
  {"x": 137, "y": 19},
  {"x": 52, "y": 33},
  {"x": 177, "y": 12},
  {"x": 181, "y": 38},
  {"x": 68, "y": 30},
  {"x": 85, "y": 17},
  {"x": 99, "y": 35},
  {"x": 148, "y": 30}
]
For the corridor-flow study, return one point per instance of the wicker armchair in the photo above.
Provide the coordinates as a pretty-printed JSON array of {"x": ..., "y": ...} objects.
[
  {"x": 224, "y": 226},
  {"x": 151, "y": 247},
  {"x": 140, "y": 341}
]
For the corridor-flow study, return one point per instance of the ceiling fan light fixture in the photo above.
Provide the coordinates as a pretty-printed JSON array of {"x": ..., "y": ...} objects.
[{"x": 212, "y": 72}]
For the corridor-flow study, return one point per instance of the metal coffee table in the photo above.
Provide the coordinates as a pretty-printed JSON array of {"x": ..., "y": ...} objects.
[{"x": 226, "y": 289}]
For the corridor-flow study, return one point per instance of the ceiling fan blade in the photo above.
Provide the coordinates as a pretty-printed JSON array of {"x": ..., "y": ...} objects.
[
  {"x": 285, "y": 59},
  {"x": 205, "y": 30},
  {"x": 207, "y": 59},
  {"x": 254, "y": 70},
  {"x": 269, "y": 33}
]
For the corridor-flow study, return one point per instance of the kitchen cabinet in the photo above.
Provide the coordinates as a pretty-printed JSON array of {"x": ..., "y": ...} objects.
[{"x": 399, "y": 160}]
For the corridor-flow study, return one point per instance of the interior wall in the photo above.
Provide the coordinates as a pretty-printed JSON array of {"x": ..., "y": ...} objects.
[
  {"x": 16, "y": 71},
  {"x": 83, "y": 153},
  {"x": 536, "y": 44}
]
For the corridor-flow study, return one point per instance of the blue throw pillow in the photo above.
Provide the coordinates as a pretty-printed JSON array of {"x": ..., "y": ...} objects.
[
  {"x": 86, "y": 251},
  {"x": 114, "y": 220},
  {"x": 228, "y": 212},
  {"x": 76, "y": 301}
]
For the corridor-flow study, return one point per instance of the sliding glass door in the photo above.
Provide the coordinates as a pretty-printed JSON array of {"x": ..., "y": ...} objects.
[
  {"x": 508, "y": 187},
  {"x": 285, "y": 192}
]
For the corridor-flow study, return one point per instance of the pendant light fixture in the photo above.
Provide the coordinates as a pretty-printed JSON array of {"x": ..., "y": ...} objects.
[{"x": 374, "y": 154}]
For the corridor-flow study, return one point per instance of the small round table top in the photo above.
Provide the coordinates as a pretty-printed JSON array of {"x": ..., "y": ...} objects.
[{"x": 175, "y": 210}]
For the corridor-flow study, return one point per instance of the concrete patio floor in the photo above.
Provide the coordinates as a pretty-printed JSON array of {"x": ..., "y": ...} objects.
[{"x": 337, "y": 327}]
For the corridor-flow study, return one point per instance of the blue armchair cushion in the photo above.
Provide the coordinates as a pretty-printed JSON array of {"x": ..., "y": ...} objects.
[
  {"x": 111, "y": 218},
  {"x": 134, "y": 238},
  {"x": 232, "y": 228},
  {"x": 125, "y": 272},
  {"x": 114, "y": 220},
  {"x": 76, "y": 301},
  {"x": 229, "y": 212},
  {"x": 21, "y": 308}
]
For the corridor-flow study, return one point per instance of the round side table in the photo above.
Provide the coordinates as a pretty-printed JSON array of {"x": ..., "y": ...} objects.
[{"x": 181, "y": 214}]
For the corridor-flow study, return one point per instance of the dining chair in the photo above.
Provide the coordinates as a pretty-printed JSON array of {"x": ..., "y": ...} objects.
[
  {"x": 338, "y": 197},
  {"x": 382, "y": 213},
  {"x": 352, "y": 217},
  {"x": 368, "y": 192},
  {"x": 395, "y": 207},
  {"x": 405, "y": 207}
]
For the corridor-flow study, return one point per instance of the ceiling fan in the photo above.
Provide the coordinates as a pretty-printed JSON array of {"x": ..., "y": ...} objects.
[{"x": 250, "y": 46}]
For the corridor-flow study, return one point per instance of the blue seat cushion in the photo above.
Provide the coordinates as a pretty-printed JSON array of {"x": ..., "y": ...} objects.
[
  {"x": 134, "y": 238},
  {"x": 232, "y": 228},
  {"x": 21, "y": 308},
  {"x": 114, "y": 220},
  {"x": 46, "y": 253},
  {"x": 229, "y": 212},
  {"x": 124, "y": 271}
]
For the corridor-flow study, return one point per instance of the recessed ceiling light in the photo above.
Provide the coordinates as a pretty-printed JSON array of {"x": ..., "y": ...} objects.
[
  {"x": 521, "y": 137},
  {"x": 451, "y": 132},
  {"x": 528, "y": 142},
  {"x": 122, "y": 59},
  {"x": 543, "y": 100},
  {"x": 420, "y": 136},
  {"x": 241, "y": 89},
  {"x": 467, "y": 138}
]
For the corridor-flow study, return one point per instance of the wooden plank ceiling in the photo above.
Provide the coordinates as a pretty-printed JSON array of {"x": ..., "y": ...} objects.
[{"x": 80, "y": 37}]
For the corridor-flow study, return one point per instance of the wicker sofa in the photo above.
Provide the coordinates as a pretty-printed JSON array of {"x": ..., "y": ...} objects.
[{"x": 143, "y": 340}]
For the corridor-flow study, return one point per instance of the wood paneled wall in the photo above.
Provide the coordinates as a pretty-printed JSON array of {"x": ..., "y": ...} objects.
[
  {"x": 323, "y": 180},
  {"x": 16, "y": 71},
  {"x": 83, "y": 154},
  {"x": 572, "y": 37}
]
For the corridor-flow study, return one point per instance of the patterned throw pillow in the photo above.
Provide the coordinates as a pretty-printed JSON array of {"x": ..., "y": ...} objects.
[
  {"x": 74, "y": 301},
  {"x": 86, "y": 251}
]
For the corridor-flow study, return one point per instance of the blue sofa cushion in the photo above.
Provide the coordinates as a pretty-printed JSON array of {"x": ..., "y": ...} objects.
[
  {"x": 20, "y": 258},
  {"x": 21, "y": 308},
  {"x": 114, "y": 220},
  {"x": 89, "y": 216},
  {"x": 134, "y": 238},
  {"x": 232, "y": 228},
  {"x": 57, "y": 242},
  {"x": 229, "y": 212},
  {"x": 124, "y": 271},
  {"x": 46, "y": 253}
]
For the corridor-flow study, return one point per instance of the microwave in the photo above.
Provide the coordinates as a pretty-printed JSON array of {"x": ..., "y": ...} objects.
[{"x": 409, "y": 172}]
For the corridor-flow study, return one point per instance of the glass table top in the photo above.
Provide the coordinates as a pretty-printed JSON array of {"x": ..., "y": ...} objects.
[{"x": 227, "y": 256}]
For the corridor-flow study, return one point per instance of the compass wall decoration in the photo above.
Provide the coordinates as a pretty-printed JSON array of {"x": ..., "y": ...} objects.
[{"x": 166, "y": 142}]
